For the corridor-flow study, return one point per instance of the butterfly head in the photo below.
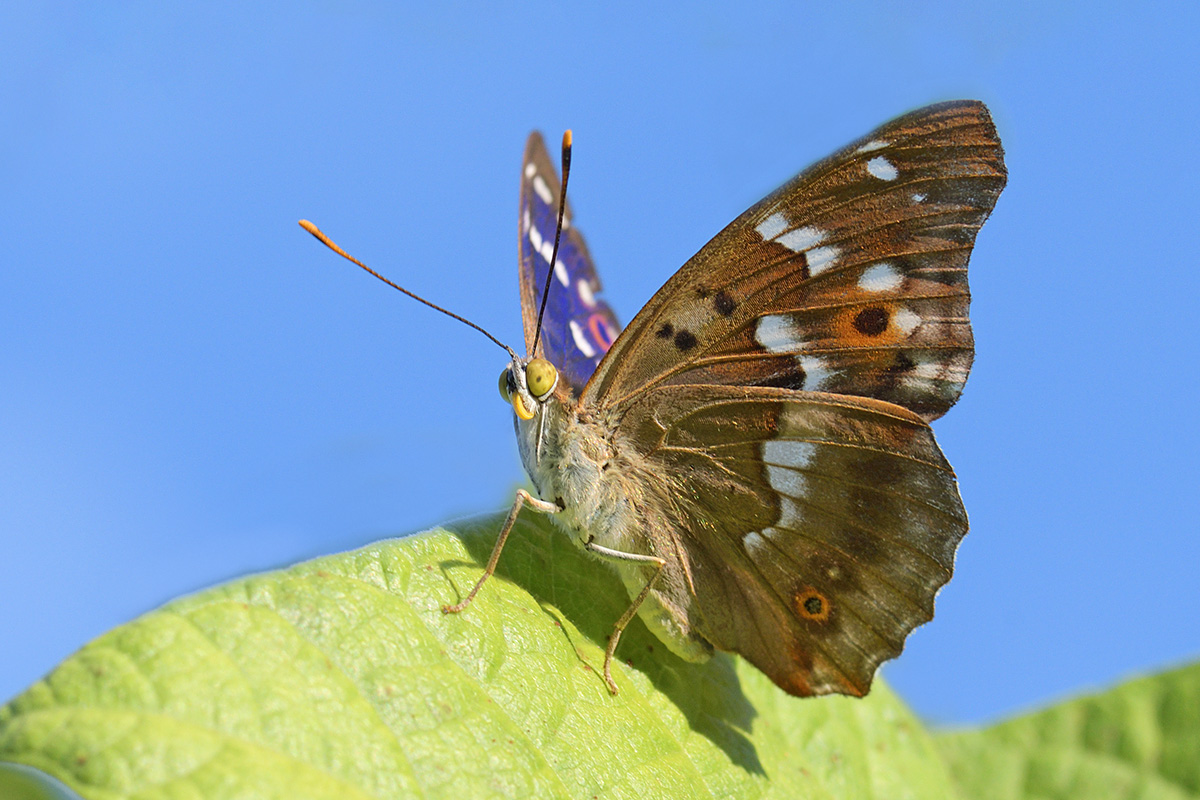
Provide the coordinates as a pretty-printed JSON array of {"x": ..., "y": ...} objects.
[{"x": 527, "y": 384}]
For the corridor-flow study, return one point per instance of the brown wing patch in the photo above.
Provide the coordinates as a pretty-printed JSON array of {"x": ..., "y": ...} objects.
[
  {"x": 818, "y": 528},
  {"x": 856, "y": 270}
]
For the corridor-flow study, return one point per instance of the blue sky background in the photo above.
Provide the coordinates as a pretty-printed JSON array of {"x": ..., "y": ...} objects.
[{"x": 192, "y": 388}]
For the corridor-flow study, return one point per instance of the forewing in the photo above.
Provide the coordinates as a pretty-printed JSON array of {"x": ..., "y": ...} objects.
[
  {"x": 851, "y": 278},
  {"x": 578, "y": 327},
  {"x": 817, "y": 527}
]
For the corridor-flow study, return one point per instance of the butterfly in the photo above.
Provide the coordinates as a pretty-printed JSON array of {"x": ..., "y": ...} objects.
[{"x": 752, "y": 453}]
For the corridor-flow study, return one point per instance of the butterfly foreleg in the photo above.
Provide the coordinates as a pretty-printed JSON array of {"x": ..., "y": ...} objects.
[
  {"x": 615, "y": 637},
  {"x": 522, "y": 498}
]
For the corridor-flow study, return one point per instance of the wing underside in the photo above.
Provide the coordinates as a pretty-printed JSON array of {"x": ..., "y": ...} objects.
[{"x": 818, "y": 527}]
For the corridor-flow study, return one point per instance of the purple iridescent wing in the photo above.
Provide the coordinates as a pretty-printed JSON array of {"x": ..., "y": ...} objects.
[{"x": 578, "y": 327}]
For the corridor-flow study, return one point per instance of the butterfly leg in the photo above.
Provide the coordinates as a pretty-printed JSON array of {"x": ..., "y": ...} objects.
[
  {"x": 523, "y": 497},
  {"x": 618, "y": 555}
]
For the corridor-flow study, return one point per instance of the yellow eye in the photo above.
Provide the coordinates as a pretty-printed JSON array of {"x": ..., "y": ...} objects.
[
  {"x": 504, "y": 386},
  {"x": 540, "y": 377}
]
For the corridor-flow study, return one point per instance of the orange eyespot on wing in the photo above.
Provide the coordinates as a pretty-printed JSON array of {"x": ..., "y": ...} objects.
[{"x": 811, "y": 604}]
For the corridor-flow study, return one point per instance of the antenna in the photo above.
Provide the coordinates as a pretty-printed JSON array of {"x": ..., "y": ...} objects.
[
  {"x": 562, "y": 206},
  {"x": 325, "y": 240}
]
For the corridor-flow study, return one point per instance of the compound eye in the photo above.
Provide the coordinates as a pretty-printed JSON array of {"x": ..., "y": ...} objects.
[
  {"x": 540, "y": 377},
  {"x": 505, "y": 380}
]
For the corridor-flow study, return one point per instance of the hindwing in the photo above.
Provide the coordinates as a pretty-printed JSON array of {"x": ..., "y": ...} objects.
[{"x": 817, "y": 528}]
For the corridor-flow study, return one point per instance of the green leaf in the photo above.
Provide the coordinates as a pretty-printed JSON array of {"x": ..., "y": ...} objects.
[
  {"x": 1139, "y": 740},
  {"x": 342, "y": 678}
]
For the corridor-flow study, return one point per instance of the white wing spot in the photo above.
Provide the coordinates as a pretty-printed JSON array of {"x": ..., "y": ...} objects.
[
  {"x": 802, "y": 239},
  {"x": 815, "y": 372},
  {"x": 530, "y": 169},
  {"x": 581, "y": 341},
  {"x": 906, "y": 320},
  {"x": 786, "y": 481},
  {"x": 821, "y": 258},
  {"x": 776, "y": 334},
  {"x": 927, "y": 371},
  {"x": 585, "y": 293},
  {"x": 543, "y": 191},
  {"x": 918, "y": 198},
  {"x": 772, "y": 226},
  {"x": 881, "y": 277},
  {"x": 545, "y": 248},
  {"x": 789, "y": 515},
  {"x": 881, "y": 168},
  {"x": 874, "y": 144},
  {"x": 788, "y": 453},
  {"x": 754, "y": 542}
]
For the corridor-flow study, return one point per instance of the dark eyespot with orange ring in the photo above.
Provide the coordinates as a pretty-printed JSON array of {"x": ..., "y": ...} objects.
[{"x": 811, "y": 604}]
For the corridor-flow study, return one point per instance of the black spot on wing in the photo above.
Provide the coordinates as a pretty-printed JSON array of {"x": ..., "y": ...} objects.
[
  {"x": 901, "y": 364},
  {"x": 724, "y": 304},
  {"x": 792, "y": 379},
  {"x": 685, "y": 340},
  {"x": 871, "y": 321}
]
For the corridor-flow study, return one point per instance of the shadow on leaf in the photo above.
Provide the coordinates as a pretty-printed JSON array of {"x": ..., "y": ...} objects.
[{"x": 564, "y": 580}]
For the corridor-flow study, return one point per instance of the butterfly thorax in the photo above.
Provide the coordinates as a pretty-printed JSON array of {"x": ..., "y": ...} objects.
[
  {"x": 568, "y": 459},
  {"x": 609, "y": 495}
]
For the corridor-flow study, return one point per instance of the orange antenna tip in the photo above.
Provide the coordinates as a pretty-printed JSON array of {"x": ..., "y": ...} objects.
[{"x": 325, "y": 240}]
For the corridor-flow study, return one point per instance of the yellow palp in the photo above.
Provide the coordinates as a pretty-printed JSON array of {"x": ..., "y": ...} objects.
[{"x": 519, "y": 406}]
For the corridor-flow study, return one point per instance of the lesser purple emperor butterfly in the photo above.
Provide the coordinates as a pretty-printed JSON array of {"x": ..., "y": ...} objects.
[{"x": 752, "y": 453}]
